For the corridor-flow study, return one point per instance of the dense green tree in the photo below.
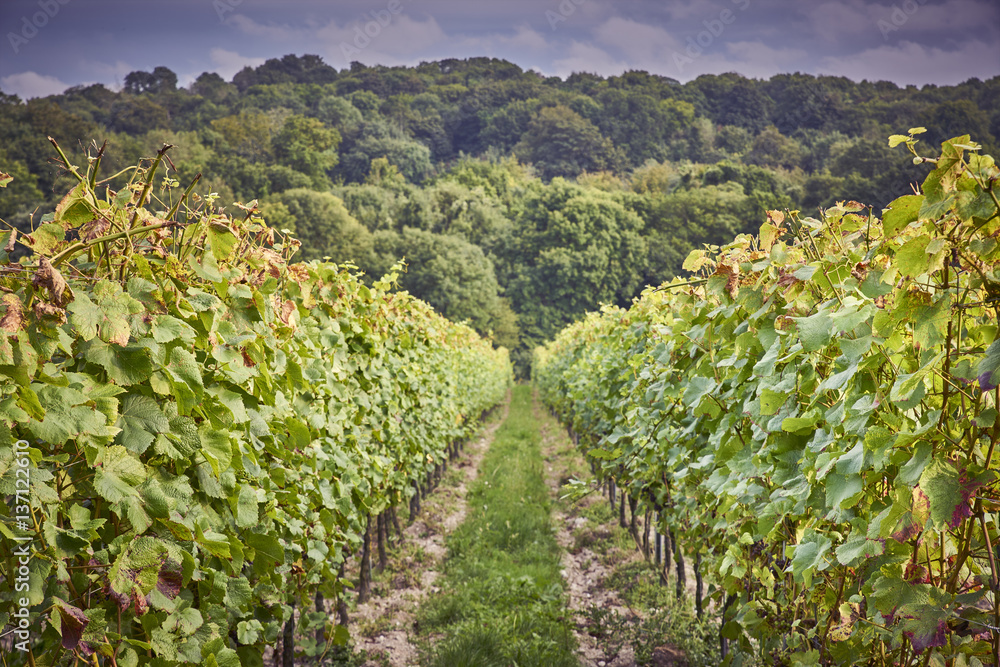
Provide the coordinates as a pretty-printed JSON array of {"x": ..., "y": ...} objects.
[
  {"x": 504, "y": 127},
  {"x": 160, "y": 80},
  {"x": 802, "y": 101},
  {"x": 138, "y": 115},
  {"x": 338, "y": 112},
  {"x": 380, "y": 140},
  {"x": 686, "y": 218},
  {"x": 308, "y": 146},
  {"x": 640, "y": 124},
  {"x": 213, "y": 87},
  {"x": 560, "y": 142},
  {"x": 21, "y": 196},
  {"x": 771, "y": 148},
  {"x": 288, "y": 69},
  {"x": 446, "y": 271},
  {"x": 321, "y": 222},
  {"x": 731, "y": 99},
  {"x": 247, "y": 134},
  {"x": 950, "y": 119},
  {"x": 733, "y": 141},
  {"x": 874, "y": 174},
  {"x": 570, "y": 249}
]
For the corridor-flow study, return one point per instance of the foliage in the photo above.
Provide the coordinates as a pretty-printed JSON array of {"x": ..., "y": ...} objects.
[
  {"x": 559, "y": 142},
  {"x": 393, "y": 143},
  {"x": 571, "y": 247},
  {"x": 320, "y": 221},
  {"x": 817, "y": 416},
  {"x": 206, "y": 427}
]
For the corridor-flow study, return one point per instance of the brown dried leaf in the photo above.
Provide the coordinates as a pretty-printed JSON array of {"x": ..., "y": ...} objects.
[
  {"x": 786, "y": 280},
  {"x": 72, "y": 622},
  {"x": 170, "y": 579},
  {"x": 141, "y": 604},
  {"x": 287, "y": 308},
  {"x": 860, "y": 271},
  {"x": 13, "y": 319},
  {"x": 53, "y": 314},
  {"x": 121, "y": 599},
  {"x": 9, "y": 246},
  {"x": 732, "y": 274},
  {"x": 50, "y": 278},
  {"x": 94, "y": 229},
  {"x": 298, "y": 273}
]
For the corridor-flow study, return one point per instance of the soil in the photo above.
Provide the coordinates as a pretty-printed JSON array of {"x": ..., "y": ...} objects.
[
  {"x": 586, "y": 571},
  {"x": 382, "y": 626}
]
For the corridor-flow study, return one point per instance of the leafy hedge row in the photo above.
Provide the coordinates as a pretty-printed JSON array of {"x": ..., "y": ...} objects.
[
  {"x": 817, "y": 417},
  {"x": 208, "y": 426}
]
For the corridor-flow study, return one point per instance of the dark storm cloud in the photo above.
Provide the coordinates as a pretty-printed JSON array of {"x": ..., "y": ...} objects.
[{"x": 49, "y": 44}]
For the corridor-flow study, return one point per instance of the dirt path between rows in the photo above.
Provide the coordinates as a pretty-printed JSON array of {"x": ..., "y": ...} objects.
[
  {"x": 583, "y": 569},
  {"x": 382, "y": 626},
  {"x": 588, "y": 571}
]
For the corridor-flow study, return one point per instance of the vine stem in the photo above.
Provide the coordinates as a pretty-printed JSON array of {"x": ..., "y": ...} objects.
[
  {"x": 62, "y": 155},
  {"x": 80, "y": 246},
  {"x": 994, "y": 585}
]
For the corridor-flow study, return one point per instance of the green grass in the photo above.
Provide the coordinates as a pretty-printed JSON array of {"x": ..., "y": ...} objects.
[{"x": 502, "y": 601}]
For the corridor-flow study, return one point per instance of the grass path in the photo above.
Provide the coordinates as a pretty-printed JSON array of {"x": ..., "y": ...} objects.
[
  {"x": 501, "y": 599},
  {"x": 496, "y": 570}
]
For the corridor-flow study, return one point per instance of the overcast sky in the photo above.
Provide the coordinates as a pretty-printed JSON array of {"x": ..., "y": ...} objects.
[{"x": 49, "y": 45}]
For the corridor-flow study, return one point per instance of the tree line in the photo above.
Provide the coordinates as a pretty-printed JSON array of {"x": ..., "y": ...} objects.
[{"x": 519, "y": 201}]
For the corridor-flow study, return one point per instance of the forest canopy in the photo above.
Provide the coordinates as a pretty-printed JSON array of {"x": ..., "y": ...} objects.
[{"x": 519, "y": 201}]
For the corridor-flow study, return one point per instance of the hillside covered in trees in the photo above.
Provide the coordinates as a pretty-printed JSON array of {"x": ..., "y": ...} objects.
[{"x": 519, "y": 201}]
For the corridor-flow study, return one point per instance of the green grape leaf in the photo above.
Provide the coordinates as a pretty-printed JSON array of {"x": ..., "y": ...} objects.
[
  {"x": 268, "y": 548},
  {"x": 810, "y": 556},
  {"x": 901, "y": 212},
  {"x": 238, "y": 593},
  {"x": 167, "y": 329},
  {"x": 216, "y": 447},
  {"x": 186, "y": 382},
  {"x": 107, "y": 315},
  {"x": 912, "y": 259},
  {"x": 118, "y": 474},
  {"x": 68, "y": 414},
  {"x": 246, "y": 507},
  {"x": 856, "y": 548},
  {"x": 125, "y": 366},
  {"x": 815, "y": 331},
  {"x": 840, "y": 489},
  {"x": 771, "y": 401},
  {"x": 227, "y": 657},
  {"x": 140, "y": 420}
]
